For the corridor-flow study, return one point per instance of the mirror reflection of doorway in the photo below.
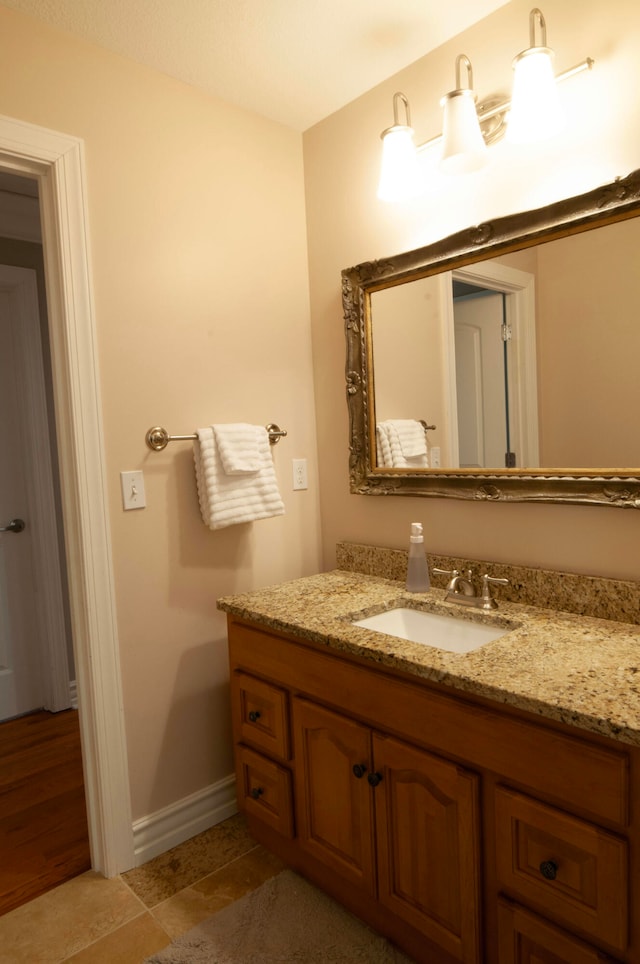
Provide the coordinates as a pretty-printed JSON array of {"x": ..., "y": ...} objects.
[{"x": 481, "y": 334}]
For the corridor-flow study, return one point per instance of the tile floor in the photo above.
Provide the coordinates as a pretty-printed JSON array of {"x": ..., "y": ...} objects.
[{"x": 91, "y": 920}]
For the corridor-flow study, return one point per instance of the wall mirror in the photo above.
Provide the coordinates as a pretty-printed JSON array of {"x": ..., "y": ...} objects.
[{"x": 515, "y": 346}]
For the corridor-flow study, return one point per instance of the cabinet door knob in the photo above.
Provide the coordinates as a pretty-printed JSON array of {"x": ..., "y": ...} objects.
[
  {"x": 257, "y": 792},
  {"x": 374, "y": 779},
  {"x": 254, "y": 716},
  {"x": 359, "y": 770},
  {"x": 549, "y": 869}
]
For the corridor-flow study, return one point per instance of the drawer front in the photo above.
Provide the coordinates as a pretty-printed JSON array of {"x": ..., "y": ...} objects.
[
  {"x": 264, "y": 790},
  {"x": 524, "y": 938},
  {"x": 260, "y": 715},
  {"x": 569, "y": 870}
]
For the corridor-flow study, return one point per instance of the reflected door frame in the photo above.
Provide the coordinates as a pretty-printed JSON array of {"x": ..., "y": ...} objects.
[{"x": 519, "y": 286}]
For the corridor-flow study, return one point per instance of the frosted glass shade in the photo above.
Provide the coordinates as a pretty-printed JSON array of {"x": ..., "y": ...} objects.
[
  {"x": 535, "y": 112},
  {"x": 464, "y": 148},
  {"x": 400, "y": 177}
]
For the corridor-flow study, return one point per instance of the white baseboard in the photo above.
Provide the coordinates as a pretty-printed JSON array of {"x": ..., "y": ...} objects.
[
  {"x": 73, "y": 694},
  {"x": 164, "y": 829}
]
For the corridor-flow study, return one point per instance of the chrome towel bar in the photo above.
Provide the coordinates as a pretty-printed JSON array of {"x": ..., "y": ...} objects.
[{"x": 157, "y": 438}]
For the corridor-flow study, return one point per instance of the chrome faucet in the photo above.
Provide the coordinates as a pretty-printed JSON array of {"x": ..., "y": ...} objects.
[{"x": 460, "y": 588}]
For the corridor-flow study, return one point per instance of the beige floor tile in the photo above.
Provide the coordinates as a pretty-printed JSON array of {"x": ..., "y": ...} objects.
[
  {"x": 130, "y": 944},
  {"x": 180, "y": 913},
  {"x": 182, "y": 866},
  {"x": 63, "y": 921}
]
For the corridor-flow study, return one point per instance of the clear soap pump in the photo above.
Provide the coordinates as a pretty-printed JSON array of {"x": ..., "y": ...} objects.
[{"x": 418, "y": 570}]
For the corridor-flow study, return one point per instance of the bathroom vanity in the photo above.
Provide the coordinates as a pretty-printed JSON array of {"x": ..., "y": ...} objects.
[{"x": 474, "y": 808}]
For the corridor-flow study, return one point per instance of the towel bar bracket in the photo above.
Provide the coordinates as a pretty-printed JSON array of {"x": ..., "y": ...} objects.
[{"x": 157, "y": 438}]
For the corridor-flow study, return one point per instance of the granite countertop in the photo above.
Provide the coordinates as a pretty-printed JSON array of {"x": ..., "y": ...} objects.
[{"x": 576, "y": 669}]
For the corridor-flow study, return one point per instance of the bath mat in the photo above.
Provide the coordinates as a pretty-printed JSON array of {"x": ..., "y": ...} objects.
[{"x": 284, "y": 921}]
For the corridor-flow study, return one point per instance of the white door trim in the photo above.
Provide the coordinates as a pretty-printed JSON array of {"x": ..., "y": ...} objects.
[
  {"x": 21, "y": 285},
  {"x": 57, "y": 161}
]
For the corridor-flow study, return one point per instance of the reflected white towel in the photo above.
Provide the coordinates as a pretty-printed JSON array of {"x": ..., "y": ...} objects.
[
  {"x": 239, "y": 447},
  {"x": 227, "y": 500},
  {"x": 401, "y": 444}
]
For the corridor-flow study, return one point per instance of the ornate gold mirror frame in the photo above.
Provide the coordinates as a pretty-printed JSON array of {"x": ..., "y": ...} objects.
[{"x": 618, "y": 487}]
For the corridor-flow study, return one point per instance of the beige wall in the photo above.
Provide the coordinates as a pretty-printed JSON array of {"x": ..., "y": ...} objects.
[
  {"x": 588, "y": 290},
  {"x": 198, "y": 251},
  {"x": 347, "y": 225}
]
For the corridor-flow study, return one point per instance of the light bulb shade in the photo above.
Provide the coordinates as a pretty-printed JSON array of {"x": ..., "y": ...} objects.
[
  {"x": 400, "y": 177},
  {"x": 535, "y": 112},
  {"x": 464, "y": 148}
]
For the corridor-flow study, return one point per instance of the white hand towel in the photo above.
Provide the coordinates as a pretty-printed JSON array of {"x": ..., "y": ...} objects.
[
  {"x": 412, "y": 437},
  {"x": 239, "y": 447},
  {"x": 401, "y": 444},
  {"x": 227, "y": 500},
  {"x": 383, "y": 447}
]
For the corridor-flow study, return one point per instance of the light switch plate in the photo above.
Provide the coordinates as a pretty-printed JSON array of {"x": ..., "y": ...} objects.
[{"x": 133, "y": 496}]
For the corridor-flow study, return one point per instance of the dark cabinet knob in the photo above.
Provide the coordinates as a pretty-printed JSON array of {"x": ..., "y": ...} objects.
[
  {"x": 549, "y": 869},
  {"x": 374, "y": 779},
  {"x": 359, "y": 770},
  {"x": 254, "y": 716},
  {"x": 257, "y": 792}
]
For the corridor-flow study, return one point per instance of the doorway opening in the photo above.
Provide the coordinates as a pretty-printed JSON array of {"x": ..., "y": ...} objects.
[
  {"x": 56, "y": 161},
  {"x": 482, "y": 338}
]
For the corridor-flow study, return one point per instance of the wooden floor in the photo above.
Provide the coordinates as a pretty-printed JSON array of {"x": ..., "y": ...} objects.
[{"x": 43, "y": 817}]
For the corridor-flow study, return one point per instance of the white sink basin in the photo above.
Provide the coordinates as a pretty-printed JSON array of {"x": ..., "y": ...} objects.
[{"x": 432, "y": 629}]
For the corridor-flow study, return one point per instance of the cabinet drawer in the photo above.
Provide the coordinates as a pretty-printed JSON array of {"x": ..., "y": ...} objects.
[
  {"x": 569, "y": 870},
  {"x": 524, "y": 938},
  {"x": 260, "y": 715},
  {"x": 264, "y": 790}
]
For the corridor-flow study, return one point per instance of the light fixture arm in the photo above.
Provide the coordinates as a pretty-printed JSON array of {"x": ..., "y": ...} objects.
[
  {"x": 537, "y": 16},
  {"x": 463, "y": 59},
  {"x": 397, "y": 97}
]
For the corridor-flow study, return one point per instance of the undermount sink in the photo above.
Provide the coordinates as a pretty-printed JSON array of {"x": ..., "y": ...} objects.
[{"x": 432, "y": 629}]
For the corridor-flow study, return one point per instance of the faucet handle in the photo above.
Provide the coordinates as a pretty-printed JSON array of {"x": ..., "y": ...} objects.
[
  {"x": 488, "y": 602},
  {"x": 454, "y": 573}
]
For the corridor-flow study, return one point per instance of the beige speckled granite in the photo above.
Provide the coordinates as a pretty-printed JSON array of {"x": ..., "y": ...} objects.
[
  {"x": 563, "y": 591},
  {"x": 576, "y": 669}
]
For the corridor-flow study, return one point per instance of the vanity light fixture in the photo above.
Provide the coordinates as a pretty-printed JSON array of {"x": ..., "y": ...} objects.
[
  {"x": 533, "y": 113},
  {"x": 535, "y": 107},
  {"x": 464, "y": 148},
  {"x": 400, "y": 177}
]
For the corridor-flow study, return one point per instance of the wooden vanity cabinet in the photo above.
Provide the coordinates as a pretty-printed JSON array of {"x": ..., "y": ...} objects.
[{"x": 464, "y": 831}]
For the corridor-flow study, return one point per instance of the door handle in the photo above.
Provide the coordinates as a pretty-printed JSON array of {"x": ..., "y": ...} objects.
[{"x": 16, "y": 525}]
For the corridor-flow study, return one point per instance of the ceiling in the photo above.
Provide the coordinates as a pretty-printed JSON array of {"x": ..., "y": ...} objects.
[{"x": 293, "y": 61}]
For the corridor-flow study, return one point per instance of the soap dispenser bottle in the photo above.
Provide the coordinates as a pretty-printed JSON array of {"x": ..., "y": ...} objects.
[{"x": 418, "y": 570}]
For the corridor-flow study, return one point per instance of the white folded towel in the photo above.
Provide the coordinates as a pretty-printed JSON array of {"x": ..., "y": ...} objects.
[
  {"x": 401, "y": 444},
  {"x": 227, "y": 500},
  {"x": 239, "y": 447}
]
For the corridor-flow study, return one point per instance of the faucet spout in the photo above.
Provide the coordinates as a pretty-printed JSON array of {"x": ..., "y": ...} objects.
[{"x": 461, "y": 586}]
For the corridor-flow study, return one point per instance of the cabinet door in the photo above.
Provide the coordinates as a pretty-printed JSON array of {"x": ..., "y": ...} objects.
[
  {"x": 334, "y": 806},
  {"x": 428, "y": 845}
]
